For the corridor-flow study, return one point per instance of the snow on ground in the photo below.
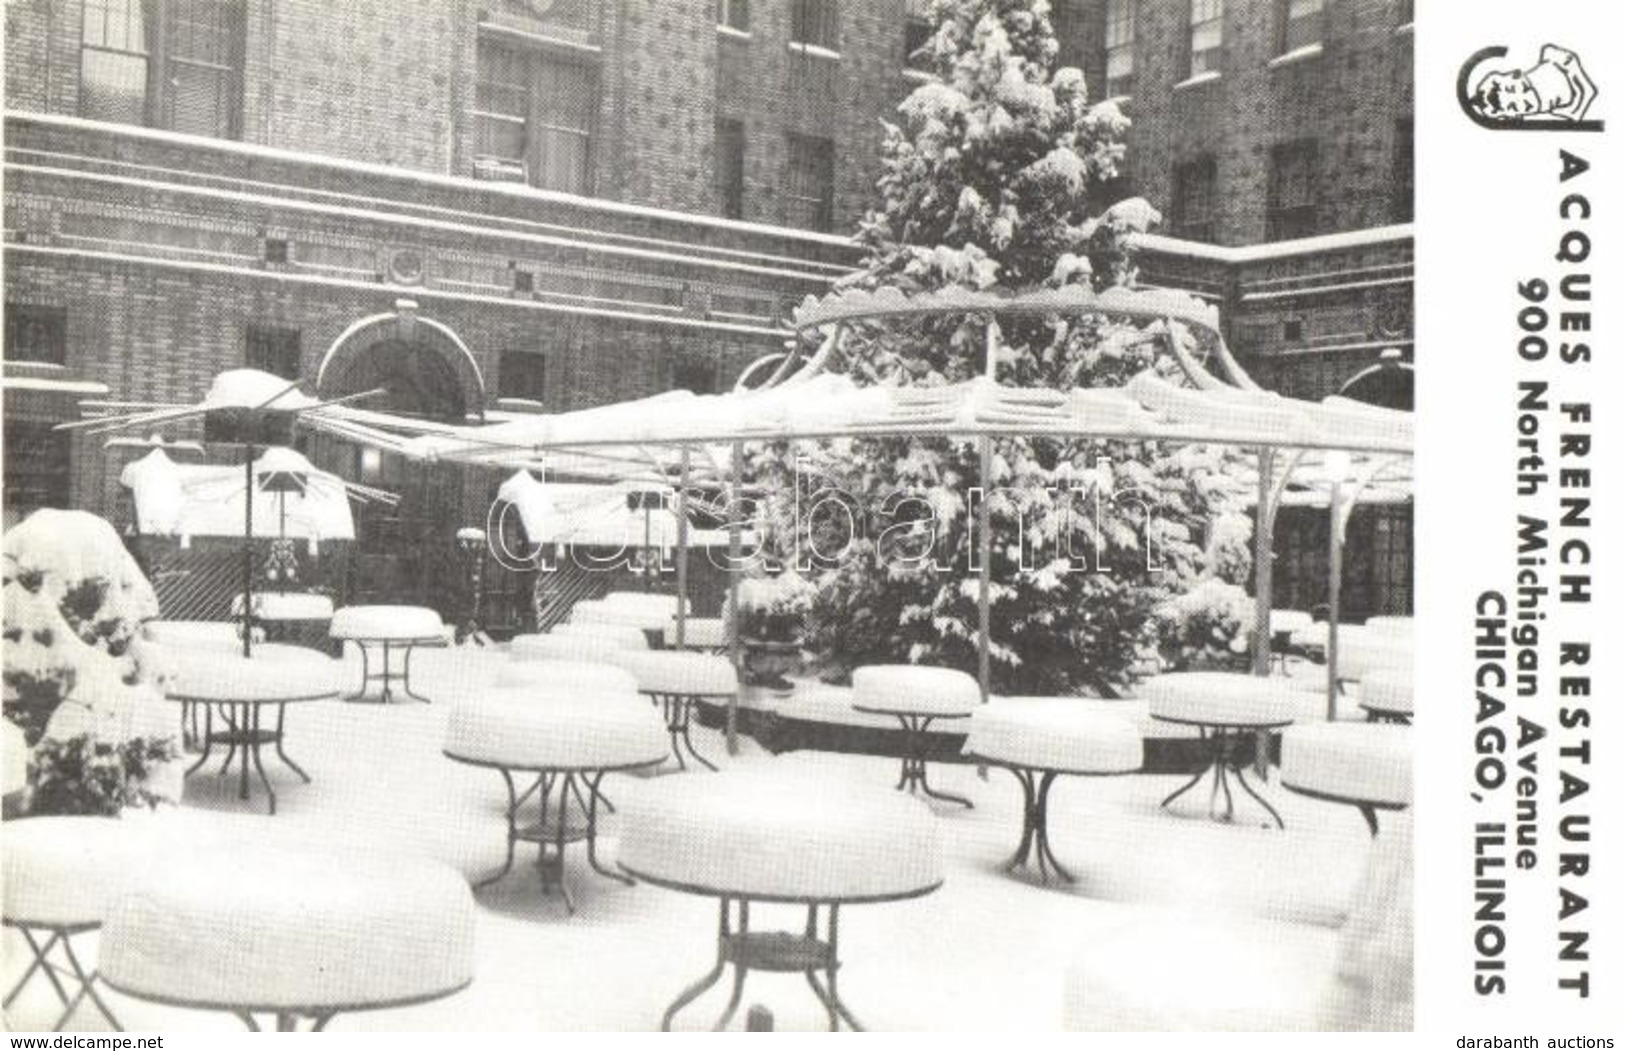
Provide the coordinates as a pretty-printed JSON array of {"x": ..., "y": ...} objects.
[{"x": 986, "y": 951}]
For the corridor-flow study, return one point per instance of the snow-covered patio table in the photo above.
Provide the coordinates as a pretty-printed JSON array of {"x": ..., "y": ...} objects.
[
  {"x": 791, "y": 839},
  {"x": 678, "y": 681},
  {"x": 298, "y": 934},
  {"x": 240, "y": 688},
  {"x": 1038, "y": 740},
  {"x": 570, "y": 726},
  {"x": 556, "y": 645},
  {"x": 623, "y": 636},
  {"x": 289, "y": 616},
  {"x": 57, "y": 874},
  {"x": 402, "y": 627},
  {"x": 916, "y": 696},
  {"x": 1386, "y": 694},
  {"x": 1225, "y": 708},
  {"x": 1365, "y": 765}
]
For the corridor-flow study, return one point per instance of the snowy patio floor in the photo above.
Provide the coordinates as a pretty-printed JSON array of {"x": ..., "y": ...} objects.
[{"x": 986, "y": 951}]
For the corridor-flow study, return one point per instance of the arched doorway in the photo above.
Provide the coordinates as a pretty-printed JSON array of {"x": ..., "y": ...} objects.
[{"x": 406, "y": 553}]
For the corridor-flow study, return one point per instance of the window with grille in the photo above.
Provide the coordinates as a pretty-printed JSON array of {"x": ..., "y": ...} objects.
[
  {"x": 1300, "y": 23},
  {"x": 38, "y": 334},
  {"x": 200, "y": 42},
  {"x": 813, "y": 23},
  {"x": 522, "y": 374},
  {"x": 1194, "y": 183},
  {"x": 1292, "y": 189},
  {"x": 1404, "y": 179},
  {"x": 730, "y": 168},
  {"x": 1119, "y": 48},
  {"x": 810, "y": 192},
  {"x": 1207, "y": 37},
  {"x": 36, "y": 473},
  {"x": 273, "y": 349},
  {"x": 735, "y": 14},
  {"x": 533, "y": 117}
]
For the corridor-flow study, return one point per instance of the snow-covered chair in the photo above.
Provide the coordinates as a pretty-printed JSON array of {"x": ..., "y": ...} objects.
[
  {"x": 58, "y": 873},
  {"x": 299, "y": 934}
]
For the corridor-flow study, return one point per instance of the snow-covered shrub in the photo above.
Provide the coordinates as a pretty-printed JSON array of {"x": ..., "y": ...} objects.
[
  {"x": 80, "y": 678},
  {"x": 773, "y": 608},
  {"x": 1207, "y": 627}
]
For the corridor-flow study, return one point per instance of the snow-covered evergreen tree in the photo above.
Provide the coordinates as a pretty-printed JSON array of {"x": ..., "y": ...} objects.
[{"x": 993, "y": 179}]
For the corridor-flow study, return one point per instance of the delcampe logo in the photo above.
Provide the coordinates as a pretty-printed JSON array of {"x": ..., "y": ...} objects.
[{"x": 1552, "y": 94}]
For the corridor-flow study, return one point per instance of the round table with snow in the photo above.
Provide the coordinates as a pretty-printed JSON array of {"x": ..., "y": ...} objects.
[
  {"x": 297, "y": 934},
  {"x": 1364, "y": 765},
  {"x": 296, "y": 617},
  {"x": 1385, "y": 695},
  {"x": 916, "y": 696},
  {"x": 240, "y": 689},
  {"x": 1039, "y": 740},
  {"x": 57, "y": 874},
  {"x": 405, "y": 628},
  {"x": 769, "y": 837},
  {"x": 1225, "y": 708},
  {"x": 570, "y": 727},
  {"x": 678, "y": 680}
]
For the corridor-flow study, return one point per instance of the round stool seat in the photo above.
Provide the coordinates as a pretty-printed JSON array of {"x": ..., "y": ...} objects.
[
  {"x": 253, "y": 928},
  {"x": 517, "y": 729},
  {"x": 915, "y": 688},
  {"x": 59, "y": 871},
  {"x": 620, "y": 635},
  {"x": 1358, "y": 762},
  {"x": 1387, "y": 691},
  {"x": 1054, "y": 735},
  {"x": 276, "y": 672},
  {"x": 549, "y": 679},
  {"x": 688, "y": 674},
  {"x": 557, "y": 647},
  {"x": 767, "y": 835},
  {"x": 387, "y": 622},
  {"x": 1179, "y": 973},
  {"x": 1224, "y": 698}
]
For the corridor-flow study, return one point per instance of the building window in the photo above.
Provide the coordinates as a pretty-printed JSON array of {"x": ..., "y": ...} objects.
[
  {"x": 1406, "y": 12},
  {"x": 1194, "y": 183},
  {"x": 37, "y": 334},
  {"x": 1119, "y": 48},
  {"x": 1207, "y": 37},
  {"x": 691, "y": 375},
  {"x": 36, "y": 473},
  {"x": 813, "y": 24},
  {"x": 533, "y": 118},
  {"x": 730, "y": 168},
  {"x": 811, "y": 183},
  {"x": 199, "y": 87},
  {"x": 273, "y": 349},
  {"x": 1404, "y": 180},
  {"x": 1300, "y": 23},
  {"x": 1292, "y": 211},
  {"x": 522, "y": 374},
  {"x": 734, "y": 14}
]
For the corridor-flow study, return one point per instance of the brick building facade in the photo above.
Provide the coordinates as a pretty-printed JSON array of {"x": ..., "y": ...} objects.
[{"x": 604, "y": 198}]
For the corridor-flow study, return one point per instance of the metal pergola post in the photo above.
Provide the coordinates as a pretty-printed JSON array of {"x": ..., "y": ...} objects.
[
  {"x": 682, "y": 550},
  {"x": 736, "y": 649},
  {"x": 1264, "y": 562}
]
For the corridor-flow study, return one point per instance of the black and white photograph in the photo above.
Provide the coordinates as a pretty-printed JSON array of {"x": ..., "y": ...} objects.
[{"x": 794, "y": 515}]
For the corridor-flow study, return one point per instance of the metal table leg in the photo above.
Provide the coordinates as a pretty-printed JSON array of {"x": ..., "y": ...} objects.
[
  {"x": 84, "y": 981},
  {"x": 1035, "y": 786},
  {"x": 913, "y": 776}
]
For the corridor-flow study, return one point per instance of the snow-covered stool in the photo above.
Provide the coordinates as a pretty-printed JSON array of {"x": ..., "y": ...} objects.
[
  {"x": 764, "y": 836},
  {"x": 240, "y": 689},
  {"x": 1226, "y": 708},
  {"x": 404, "y": 628},
  {"x": 589, "y": 722},
  {"x": 705, "y": 634},
  {"x": 1166, "y": 971},
  {"x": 678, "y": 681},
  {"x": 57, "y": 874},
  {"x": 1040, "y": 739},
  {"x": 916, "y": 696},
  {"x": 1365, "y": 765},
  {"x": 623, "y": 636},
  {"x": 1385, "y": 694},
  {"x": 299, "y": 935}
]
